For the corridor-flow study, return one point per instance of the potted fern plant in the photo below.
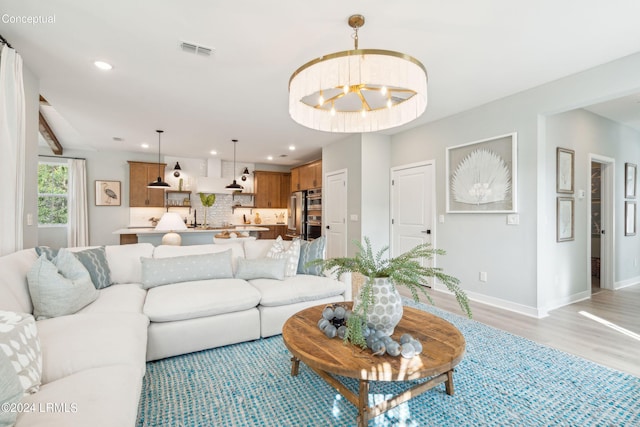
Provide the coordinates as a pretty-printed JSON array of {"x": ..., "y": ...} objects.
[{"x": 378, "y": 302}]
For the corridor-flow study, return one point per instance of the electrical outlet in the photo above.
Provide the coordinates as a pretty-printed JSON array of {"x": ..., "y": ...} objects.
[{"x": 483, "y": 276}]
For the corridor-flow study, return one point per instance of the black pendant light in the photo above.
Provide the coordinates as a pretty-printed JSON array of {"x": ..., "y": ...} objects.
[
  {"x": 159, "y": 183},
  {"x": 245, "y": 172},
  {"x": 176, "y": 170},
  {"x": 234, "y": 184}
]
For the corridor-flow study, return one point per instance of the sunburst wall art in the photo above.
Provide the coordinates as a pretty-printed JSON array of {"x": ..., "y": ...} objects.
[{"x": 481, "y": 176}]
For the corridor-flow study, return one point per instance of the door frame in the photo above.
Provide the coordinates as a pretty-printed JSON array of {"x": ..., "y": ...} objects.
[
  {"x": 607, "y": 210},
  {"x": 434, "y": 211}
]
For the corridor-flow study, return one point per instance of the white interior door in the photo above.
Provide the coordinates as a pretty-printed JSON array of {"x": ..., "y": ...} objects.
[
  {"x": 334, "y": 201},
  {"x": 412, "y": 207}
]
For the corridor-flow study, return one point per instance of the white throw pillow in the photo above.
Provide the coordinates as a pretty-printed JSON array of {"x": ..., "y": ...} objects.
[
  {"x": 291, "y": 255},
  {"x": 163, "y": 271},
  {"x": 19, "y": 342},
  {"x": 60, "y": 287}
]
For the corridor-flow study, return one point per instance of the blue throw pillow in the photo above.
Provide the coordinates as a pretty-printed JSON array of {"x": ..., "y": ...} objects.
[
  {"x": 94, "y": 260},
  {"x": 310, "y": 251},
  {"x": 261, "y": 268}
]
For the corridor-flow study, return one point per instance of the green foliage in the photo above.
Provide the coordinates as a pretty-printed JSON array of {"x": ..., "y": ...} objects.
[
  {"x": 52, "y": 193},
  {"x": 404, "y": 270},
  {"x": 207, "y": 200}
]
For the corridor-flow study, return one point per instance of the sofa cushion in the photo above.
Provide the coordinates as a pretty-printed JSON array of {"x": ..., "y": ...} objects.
[
  {"x": 297, "y": 289},
  {"x": 290, "y": 255},
  {"x": 166, "y": 251},
  {"x": 20, "y": 344},
  {"x": 84, "y": 341},
  {"x": 266, "y": 268},
  {"x": 14, "y": 289},
  {"x": 126, "y": 298},
  {"x": 162, "y": 271},
  {"x": 100, "y": 397},
  {"x": 124, "y": 261},
  {"x": 310, "y": 251},
  {"x": 10, "y": 391},
  {"x": 254, "y": 249},
  {"x": 189, "y": 300},
  {"x": 60, "y": 287}
]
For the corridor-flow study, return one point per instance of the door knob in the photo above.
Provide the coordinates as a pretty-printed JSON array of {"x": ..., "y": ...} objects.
[
  {"x": 426, "y": 231},
  {"x": 328, "y": 227}
]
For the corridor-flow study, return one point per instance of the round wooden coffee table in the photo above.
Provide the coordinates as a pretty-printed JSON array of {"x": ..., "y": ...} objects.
[{"x": 443, "y": 348}]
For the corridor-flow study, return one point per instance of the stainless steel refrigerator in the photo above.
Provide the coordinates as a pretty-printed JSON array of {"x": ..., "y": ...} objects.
[
  {"x": 296, "y": 226},
  {"x": 305, "y": 214}
]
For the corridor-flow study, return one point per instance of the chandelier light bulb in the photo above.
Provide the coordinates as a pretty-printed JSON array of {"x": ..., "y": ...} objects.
[
  {"x": 383, "y": 90},
  {"x": 345, "y": 89},
  {"x": 333, "y": 110},
  {"x": 389, "y": 104},
  {"x": 364, "y": 113}
]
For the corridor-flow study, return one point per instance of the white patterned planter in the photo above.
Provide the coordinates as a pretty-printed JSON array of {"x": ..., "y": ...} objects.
[{"x": 386, "y": 311}]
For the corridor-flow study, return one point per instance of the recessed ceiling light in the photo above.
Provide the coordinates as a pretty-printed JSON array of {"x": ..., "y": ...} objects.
[
  {"x": 103, "y": 65},
  {"x": 269, "y": 157},
  {"x": 292, "y": 148},
  {"x": 213, "y": 152},
  {"x": 145, "y": 145}
]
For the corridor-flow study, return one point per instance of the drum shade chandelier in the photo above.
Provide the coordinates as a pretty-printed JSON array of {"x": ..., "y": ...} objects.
[{"x": 359, "y": 90}]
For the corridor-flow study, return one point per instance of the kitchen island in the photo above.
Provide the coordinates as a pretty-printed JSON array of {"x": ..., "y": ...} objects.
[{"x": 191, "y": 236}]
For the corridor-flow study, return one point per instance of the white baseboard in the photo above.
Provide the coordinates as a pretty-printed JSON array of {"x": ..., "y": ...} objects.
[
  {"x": 499, "y": 303},
  {"x": 626, "y": 283},
  {"x": 570, "y": 299}
]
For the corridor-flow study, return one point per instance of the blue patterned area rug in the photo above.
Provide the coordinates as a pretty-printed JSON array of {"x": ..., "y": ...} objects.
[{"x": 503, "y": 380}]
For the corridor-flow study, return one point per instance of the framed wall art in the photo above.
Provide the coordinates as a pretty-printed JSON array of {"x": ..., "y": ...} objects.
[
  {"x": 565, "y": 219},
  {"x": 108, "y": 193},
  {"x": 565, "y": 162},
  {"x": 629, "y": 218},
  {"x": 630, "y": 175},
  {"x": 481, "y": 176}
]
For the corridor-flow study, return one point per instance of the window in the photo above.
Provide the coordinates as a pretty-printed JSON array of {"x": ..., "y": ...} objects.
[{"x": 53, "y": 181}]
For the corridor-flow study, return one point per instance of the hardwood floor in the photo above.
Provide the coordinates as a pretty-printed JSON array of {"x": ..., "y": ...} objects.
[{"x": 611, "y": 339}]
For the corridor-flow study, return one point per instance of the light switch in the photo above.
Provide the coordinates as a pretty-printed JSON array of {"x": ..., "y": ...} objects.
[
  {"x": 441, "y": 219},
  {"x": 29, "y": 219},
  {"x": 513, "y": 219},
  {"x": 353, "y": 217}
]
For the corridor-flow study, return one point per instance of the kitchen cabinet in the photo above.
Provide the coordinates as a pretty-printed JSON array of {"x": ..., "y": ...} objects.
[
  {"x": 140, "y": 175},
  {"x": 307, "y": 176},
  {"x": 295, "y": 179},
  {"x": 271, "y": 189},
  {"x": 274, "y": 231}
]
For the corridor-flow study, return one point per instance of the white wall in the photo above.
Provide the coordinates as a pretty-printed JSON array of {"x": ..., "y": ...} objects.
[
  {"x": 376, "y": 168},
  {"x": 516, "y": 258},
  {"x": 347, "y": 154},
  {"x": 587, "y": 133},
  {"x": 32, "y": 108}
]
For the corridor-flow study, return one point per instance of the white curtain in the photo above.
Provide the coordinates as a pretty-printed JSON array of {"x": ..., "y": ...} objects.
[
  {"x": 12, "y": 147},
  {"x": 78, "y": 230}
]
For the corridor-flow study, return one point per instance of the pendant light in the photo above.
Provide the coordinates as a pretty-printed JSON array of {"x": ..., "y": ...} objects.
[
  {"x": 245, "y": 172},
  {"x": 176, "y": 170},
  {"x": 234, "y": 184},
  {"x": 159, "y": 183}
]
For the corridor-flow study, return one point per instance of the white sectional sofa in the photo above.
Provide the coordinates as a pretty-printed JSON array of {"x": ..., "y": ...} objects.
[{"x": 93, "y": 361}]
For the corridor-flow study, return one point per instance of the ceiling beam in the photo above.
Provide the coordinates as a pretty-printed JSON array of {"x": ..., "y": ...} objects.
[{"x": 49, "y": 136}]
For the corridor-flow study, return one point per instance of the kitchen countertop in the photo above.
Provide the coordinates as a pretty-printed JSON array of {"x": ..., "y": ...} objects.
[{"x": 151, "y": 230}]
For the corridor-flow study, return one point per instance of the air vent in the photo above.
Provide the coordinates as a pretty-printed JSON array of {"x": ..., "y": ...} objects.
[{"x": 196, "y": 49}]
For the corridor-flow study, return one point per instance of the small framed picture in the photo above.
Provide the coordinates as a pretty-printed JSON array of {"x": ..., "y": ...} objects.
[
  {"x": 564, "y": 219},
  {"x": 564, "y": 170},
  {"x": 629, "y": 218},
  {"x": 108, "y": 193},
  {"x": 630, "y": 173}
]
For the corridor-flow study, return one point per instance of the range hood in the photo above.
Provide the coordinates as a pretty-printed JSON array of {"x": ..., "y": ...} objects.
[{"x": 213, "y": 182}]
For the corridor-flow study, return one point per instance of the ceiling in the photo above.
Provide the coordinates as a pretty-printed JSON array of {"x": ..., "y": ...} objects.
[{"x": 474, "y": 52}]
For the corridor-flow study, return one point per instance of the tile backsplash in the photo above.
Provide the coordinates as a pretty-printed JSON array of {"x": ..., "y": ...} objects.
[{"x": 217, "y": 215}]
